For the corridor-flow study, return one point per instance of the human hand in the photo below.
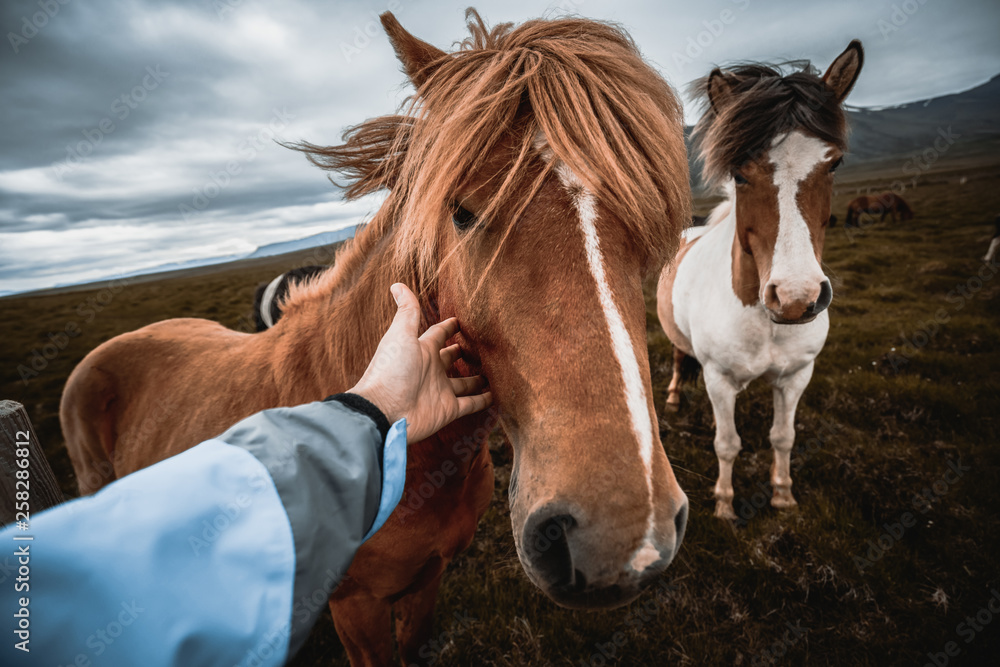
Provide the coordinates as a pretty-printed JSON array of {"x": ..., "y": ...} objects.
[{"x": 408, "y": 378}]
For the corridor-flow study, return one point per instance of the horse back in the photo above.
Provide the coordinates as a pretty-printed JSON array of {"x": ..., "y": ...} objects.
[{"x": 152, "y": 393}]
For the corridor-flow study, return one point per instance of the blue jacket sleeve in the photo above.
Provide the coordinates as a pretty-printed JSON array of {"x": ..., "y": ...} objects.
[{"x": 222, "y": 555}]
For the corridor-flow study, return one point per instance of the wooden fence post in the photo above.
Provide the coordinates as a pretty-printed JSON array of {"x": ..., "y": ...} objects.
[{"x": 16, "y": 433}]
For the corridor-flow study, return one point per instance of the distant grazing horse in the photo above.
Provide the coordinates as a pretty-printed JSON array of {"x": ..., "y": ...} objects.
[
  {"x": 536, "y": 177},
  {"x": 887, "y": 203},
  {"x": 994, "y": 243},
  {"x": 746, "y": 294},
  {"x": 268, "y": 297}
]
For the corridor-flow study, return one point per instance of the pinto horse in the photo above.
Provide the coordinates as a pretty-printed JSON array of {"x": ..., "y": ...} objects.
[
  {"x": 887, "y": 203},
  {"x": 746, "y": 295},
  {"x": 268, "y": 297},
  {"x": 534, "y": 179}
]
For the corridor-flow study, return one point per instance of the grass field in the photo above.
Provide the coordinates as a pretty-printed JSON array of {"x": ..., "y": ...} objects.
[{"x": 904, "y": 394}]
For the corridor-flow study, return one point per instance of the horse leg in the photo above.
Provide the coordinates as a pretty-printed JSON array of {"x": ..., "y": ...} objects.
[
  {"x": 727, "y": 441},
  {"x": 787, "y": 392},
  {"x": 992, "y": 251},
  {"x": 364, "y": 625},
  {"x": 88, "y": 427},
  {"x": 674, "y": 390},
  {"x": 415, "y": 621}
]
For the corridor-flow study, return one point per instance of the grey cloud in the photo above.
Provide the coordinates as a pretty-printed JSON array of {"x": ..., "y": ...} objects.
[{"x": 232, "y": 62}]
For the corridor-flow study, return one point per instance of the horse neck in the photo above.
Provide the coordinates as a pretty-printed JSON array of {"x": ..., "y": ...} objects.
[{"x": 333, "y": 335}]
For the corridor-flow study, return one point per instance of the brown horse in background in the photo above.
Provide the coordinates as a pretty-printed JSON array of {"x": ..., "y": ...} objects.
[
  {"x": 887, "y": 203},
  {"x": 537, "y": 176}
]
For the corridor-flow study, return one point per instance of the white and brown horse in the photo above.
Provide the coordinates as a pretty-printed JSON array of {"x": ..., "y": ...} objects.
[
  {"x": 537, "y": 176},
  {"x": 746, "y": 294}
]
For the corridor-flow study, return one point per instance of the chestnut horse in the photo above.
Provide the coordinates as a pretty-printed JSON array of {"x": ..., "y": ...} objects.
[
  {"x": 887, "y": 203},
  {"x": 746, "y": 294},
  {"x": 534, "y": 179}
]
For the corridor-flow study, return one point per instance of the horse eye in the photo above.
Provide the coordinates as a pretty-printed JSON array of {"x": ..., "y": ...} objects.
[
  {"x": 462, "y": 217},
  {"x": 738, "y": 177},
  {"x": 836, "y": 164}
]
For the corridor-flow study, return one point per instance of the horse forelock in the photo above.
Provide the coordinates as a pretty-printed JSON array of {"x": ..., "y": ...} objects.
[
  {"x": 764, "y": 103},
  {"x": 604, "y": 113}
]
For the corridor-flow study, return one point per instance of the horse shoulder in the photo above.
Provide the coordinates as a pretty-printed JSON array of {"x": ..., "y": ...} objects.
[{"x": 665, "y": 291}]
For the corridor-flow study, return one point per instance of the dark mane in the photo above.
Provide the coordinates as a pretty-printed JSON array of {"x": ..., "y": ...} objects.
[{"x": 764, "y": 103}]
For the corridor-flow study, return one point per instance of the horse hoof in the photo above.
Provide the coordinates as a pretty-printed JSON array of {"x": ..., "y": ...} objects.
[
  {"x": 783, "y": 500},
  {"x": 724, "y": 510}
]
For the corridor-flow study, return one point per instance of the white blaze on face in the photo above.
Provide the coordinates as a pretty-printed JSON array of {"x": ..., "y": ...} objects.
[
  {"x": 621, "y": 343},
  {"x": 794, "y": 156}
]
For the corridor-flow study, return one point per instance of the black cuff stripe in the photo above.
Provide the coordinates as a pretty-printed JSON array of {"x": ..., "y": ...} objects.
[{"x": 364, "y": 406}]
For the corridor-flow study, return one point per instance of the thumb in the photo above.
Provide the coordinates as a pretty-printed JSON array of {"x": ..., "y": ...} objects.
[{"x": 407, "y": 319}]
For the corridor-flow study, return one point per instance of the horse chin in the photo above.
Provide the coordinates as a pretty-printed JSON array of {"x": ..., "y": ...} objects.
[
  {"x": 604, "y": 598},
  {"x": 578, "y": 595},
  {"x": 777, "y": 319}
]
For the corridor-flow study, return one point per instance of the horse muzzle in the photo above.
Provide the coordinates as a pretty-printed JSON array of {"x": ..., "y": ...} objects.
[
  {"x": 783, "y": 310},
  {"x": 570, "y": 562}
]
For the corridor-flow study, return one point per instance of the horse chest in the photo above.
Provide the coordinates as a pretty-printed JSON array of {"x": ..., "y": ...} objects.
[
  {"x": 723, "y": 331},
  {"x": 753, "y": 346}
]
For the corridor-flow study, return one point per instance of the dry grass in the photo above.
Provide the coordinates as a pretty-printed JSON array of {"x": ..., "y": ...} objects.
[{"x": 875, "y": 428}]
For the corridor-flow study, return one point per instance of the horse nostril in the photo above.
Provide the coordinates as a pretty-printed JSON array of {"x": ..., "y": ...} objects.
[
  {"x": 548, "y": 549},
  {"x": 825, "y": 297},
  {"x": 680, "y": 525},
  {"x": 771, "y": 299}
]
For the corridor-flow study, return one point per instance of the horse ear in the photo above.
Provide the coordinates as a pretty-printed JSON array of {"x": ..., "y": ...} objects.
[
  {"x": 845, "y": 69},
  {"x": 720, "y": 88},
  {"x": 419, "y": 58}
]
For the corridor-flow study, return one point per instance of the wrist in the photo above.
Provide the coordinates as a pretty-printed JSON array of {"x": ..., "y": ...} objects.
[
  {"x": 360, "y": 404},
  {"x": 376, "y": 398}
]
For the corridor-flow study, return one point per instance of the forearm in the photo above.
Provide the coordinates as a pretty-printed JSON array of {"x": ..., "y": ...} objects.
[{"x": 211, "y": 556}]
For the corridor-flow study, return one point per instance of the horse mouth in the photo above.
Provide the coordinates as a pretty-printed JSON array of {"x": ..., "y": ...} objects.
[{"x": 805, "y": 319}]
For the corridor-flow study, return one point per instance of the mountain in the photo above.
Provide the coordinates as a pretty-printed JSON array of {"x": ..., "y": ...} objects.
[
  {"x": 316, "y": 240},
  {"x": 972, "y": 115}
]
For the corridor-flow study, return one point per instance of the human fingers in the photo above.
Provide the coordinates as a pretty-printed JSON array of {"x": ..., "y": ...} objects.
[
  {"x": 450, "y": 355},
  {"x": 441, "y": 332},
  {"x": 469, "y": 404},
  {"x": 467, "y": 385}
]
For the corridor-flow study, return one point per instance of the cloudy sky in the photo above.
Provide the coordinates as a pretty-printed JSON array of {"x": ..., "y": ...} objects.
[{"x": 135, "y": 133}]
